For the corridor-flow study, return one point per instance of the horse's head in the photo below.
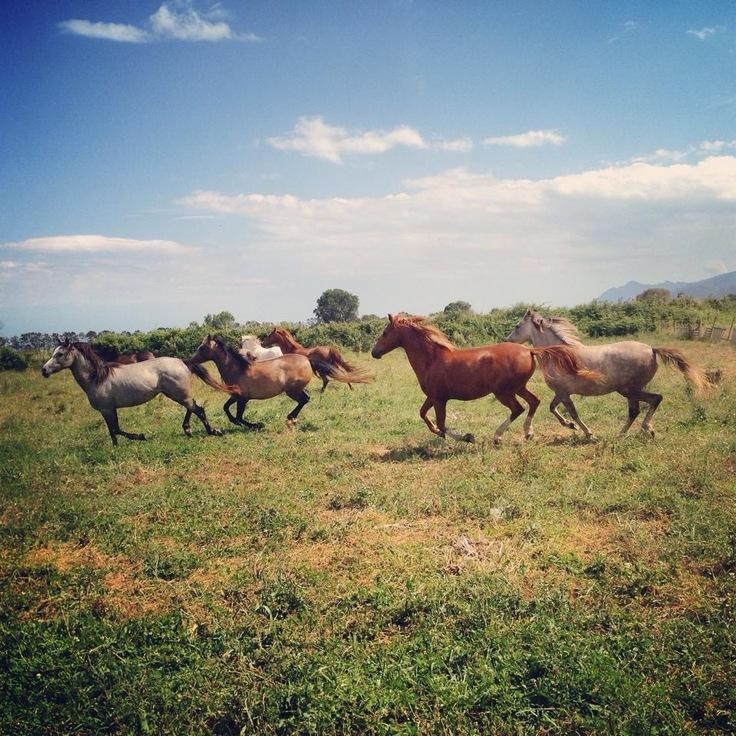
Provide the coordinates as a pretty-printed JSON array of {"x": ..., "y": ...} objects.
[
  {"x": 526, "y": 327},
  {"x": 206, "y": 350},
  {"x": 61, "y": 358},
  {"x": 272, "y": 339},
  {"x": 249, "y": 342},
  {"x": 389, "y": 340}
]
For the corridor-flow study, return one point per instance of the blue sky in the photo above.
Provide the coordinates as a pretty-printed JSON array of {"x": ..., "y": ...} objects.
[{"x": 160, "y": 161}]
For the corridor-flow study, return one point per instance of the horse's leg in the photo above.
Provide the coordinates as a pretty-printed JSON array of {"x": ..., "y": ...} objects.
[
  {"x": 440, "y": 412},
  {"x": 654, "y": 400},
  {"x": 510, "y": 401},
  {"x": 111, "y": 419},
  {"x": 634, "y": 411},
  {"x": 426, "y": 406},
  {"x": 573, "y": 412},
  {"x": 226, "y": 408},
  {"x": 193, "y": 407},
  {"x": 113, "y": 426},
  {"x": 553, "y": 408},
  {"x": 302, "y": 399},
  {"x": 242, "y": 403},
  {"x": 533, "y": 402}
]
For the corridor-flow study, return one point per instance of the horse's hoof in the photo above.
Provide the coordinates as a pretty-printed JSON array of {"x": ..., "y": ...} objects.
[
  {"x": 253, "y": 426},
  {"x": 497, "y": 441},
  {"x": 572, "y": 426},
  {"x": 216, "y": 432},
  {"x": 187, "y": 431},
  {"x": 141, "y": 437},
  {"x": 469, "y": 437},
  {"x": 529, "y": 436}
]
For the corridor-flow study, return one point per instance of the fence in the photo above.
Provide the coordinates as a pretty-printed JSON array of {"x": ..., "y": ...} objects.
[{"x": 711, "y": 333}]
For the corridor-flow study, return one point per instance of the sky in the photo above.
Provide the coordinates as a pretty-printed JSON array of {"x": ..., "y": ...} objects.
[{"x": 164, "y": 160}]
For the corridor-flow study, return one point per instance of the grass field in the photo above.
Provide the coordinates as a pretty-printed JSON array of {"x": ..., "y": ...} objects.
[{"x": 358, "y": 575}]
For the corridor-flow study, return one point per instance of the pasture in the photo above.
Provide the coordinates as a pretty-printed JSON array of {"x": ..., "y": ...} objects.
[{"x": 359, "y": 575}]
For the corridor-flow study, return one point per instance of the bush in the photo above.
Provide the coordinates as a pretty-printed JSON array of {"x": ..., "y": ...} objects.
[{"x": 12, "y": 360}]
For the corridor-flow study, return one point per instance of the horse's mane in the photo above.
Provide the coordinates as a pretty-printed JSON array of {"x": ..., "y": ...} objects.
[
  {"x": 561, "y": 327},
  {"x": 99, "y": 368},
  {"x": 286, "y": 335},
  {"x": 234, "y": 353},
  {"x": 429, "y": 332}
]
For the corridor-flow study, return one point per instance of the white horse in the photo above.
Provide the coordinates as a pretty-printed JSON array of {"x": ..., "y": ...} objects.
[
  {"x": 109, "y": 388},
  {"x": 251, "y": 348},
  {"x": 626, "y": 367}
]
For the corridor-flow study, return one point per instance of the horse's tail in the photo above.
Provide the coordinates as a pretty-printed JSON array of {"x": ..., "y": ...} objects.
[
  {"x": 566, "y": 360},
  {"x": 202, "y": 373},
  {"x": 671, "y": 356},
  {"x": 327, "y": 370},
  {"x": 338, "y": 361}
]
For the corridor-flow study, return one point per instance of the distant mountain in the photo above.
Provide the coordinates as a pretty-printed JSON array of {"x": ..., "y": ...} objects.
[{"x": 720, "y": 285}]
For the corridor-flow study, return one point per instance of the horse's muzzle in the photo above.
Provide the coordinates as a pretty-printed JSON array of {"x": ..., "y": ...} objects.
[
  {"x": 376, "y": 354},
  {"x": 44, "y": 373}
]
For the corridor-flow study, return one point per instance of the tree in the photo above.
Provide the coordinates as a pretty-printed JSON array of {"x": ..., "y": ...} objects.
[
  {"x": 337, "y": 305},
  {"x": 219, "y": 321},
  {"x": 455, "y": 307},
  {"x": 654, "y": 295}
]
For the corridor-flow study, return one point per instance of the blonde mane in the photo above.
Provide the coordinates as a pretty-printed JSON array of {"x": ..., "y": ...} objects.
[
  {"x": 560, "y": 327},
  {"x": 429, "y": 332}
]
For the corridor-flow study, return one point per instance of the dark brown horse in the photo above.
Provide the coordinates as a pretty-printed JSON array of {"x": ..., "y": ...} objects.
[
  {"x": 288, "y": 375},
  {"x": 285, "y": 340},
  {"x": 447, "y": 372}
]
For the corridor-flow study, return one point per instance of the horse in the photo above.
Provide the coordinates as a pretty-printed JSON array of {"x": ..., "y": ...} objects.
[
  {"x": 324, "y": 353},
  {"x": 112, "y": 386},
  {"x": 288, "y": 375},
  {"x": 627, "y": 367},
  {"x": 251, "y": 348},
  {"x": 446, "y": 372},
  {"x": 111, "y": 355}
]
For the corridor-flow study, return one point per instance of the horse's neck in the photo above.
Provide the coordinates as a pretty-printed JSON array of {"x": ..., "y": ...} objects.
[
  {"x": 82, "y": 372},
  {"x": 228, "y": 367},
  {"x": 545, "y": 338},
  {"x": 420, "y": 353},
  {"x": 289, "y": 344}
]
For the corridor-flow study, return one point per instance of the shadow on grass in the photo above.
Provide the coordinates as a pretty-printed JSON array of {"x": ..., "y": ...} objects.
[{"x": 428, "y": 450}]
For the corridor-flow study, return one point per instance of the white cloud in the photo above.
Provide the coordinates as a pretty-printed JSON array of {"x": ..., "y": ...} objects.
[
  {"x": 97, "y": 244},
  {"x": 315, "y": 137},
  {"x": 531, "y": 139},
  {"x": 464, "y": 226},
  {"x": 661, "y": 155},
  {"x": 705, "y": 32},
  {"x": 109, "y": 31},
  {"x": 716, "y": 267},
  {"x": 459, "y": 145},
  {"x": 177, "y": 20},
  {"x": 717, "y": 146}
]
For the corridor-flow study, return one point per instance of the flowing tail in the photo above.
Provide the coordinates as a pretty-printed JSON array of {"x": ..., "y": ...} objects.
[
  {"x": 338, "y": 373},
  {"x": 202, "y": 373},
  {"x": 694, "y": 375},
  {"x": 566, "y": 360},
  {"x": 338, "y": 361}
]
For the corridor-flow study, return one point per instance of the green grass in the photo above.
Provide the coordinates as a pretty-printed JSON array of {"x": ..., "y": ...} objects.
[{"x": 358, "y": 575}]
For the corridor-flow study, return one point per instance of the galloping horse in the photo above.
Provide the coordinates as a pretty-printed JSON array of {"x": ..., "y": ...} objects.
[
  {"x": 447, "y": 372},
  {"x": 626, "y": 367},
  {"x": 251, "y": 348},
  {"x": 324, "y": 353},
  {"x": 110, "y": 387},
  {"x": 288, "y": 375}
]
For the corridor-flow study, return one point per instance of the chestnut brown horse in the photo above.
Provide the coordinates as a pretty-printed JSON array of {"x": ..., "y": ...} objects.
[
  {"x": 111, "y": 355},
  {"x": 447, "y": 372},
  {"x": 285, "y": 340}
]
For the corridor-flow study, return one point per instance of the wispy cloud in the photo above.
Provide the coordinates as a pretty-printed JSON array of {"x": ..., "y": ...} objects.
[
  {"x": 705, "y": 32},
  {"x": 97, "y": 244},
  {"x": 312, "y": 136},
  {"x": 530, "y": 139},
  {"x": 625, "y": 29},
  {"x": 177, "y": 20},
  {"x": 109, "y": 31}
]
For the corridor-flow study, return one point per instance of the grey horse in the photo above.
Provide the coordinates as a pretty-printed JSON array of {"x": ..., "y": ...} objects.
[{"x": 626, "y": 367}]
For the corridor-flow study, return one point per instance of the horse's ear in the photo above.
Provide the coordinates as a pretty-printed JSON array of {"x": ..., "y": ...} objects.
[
  {"x": 537, "y": 320},
  {"x": 66, "y": 342},
  {"x": 391, "y": 318},
  {"x": 209, "y": 337}
]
